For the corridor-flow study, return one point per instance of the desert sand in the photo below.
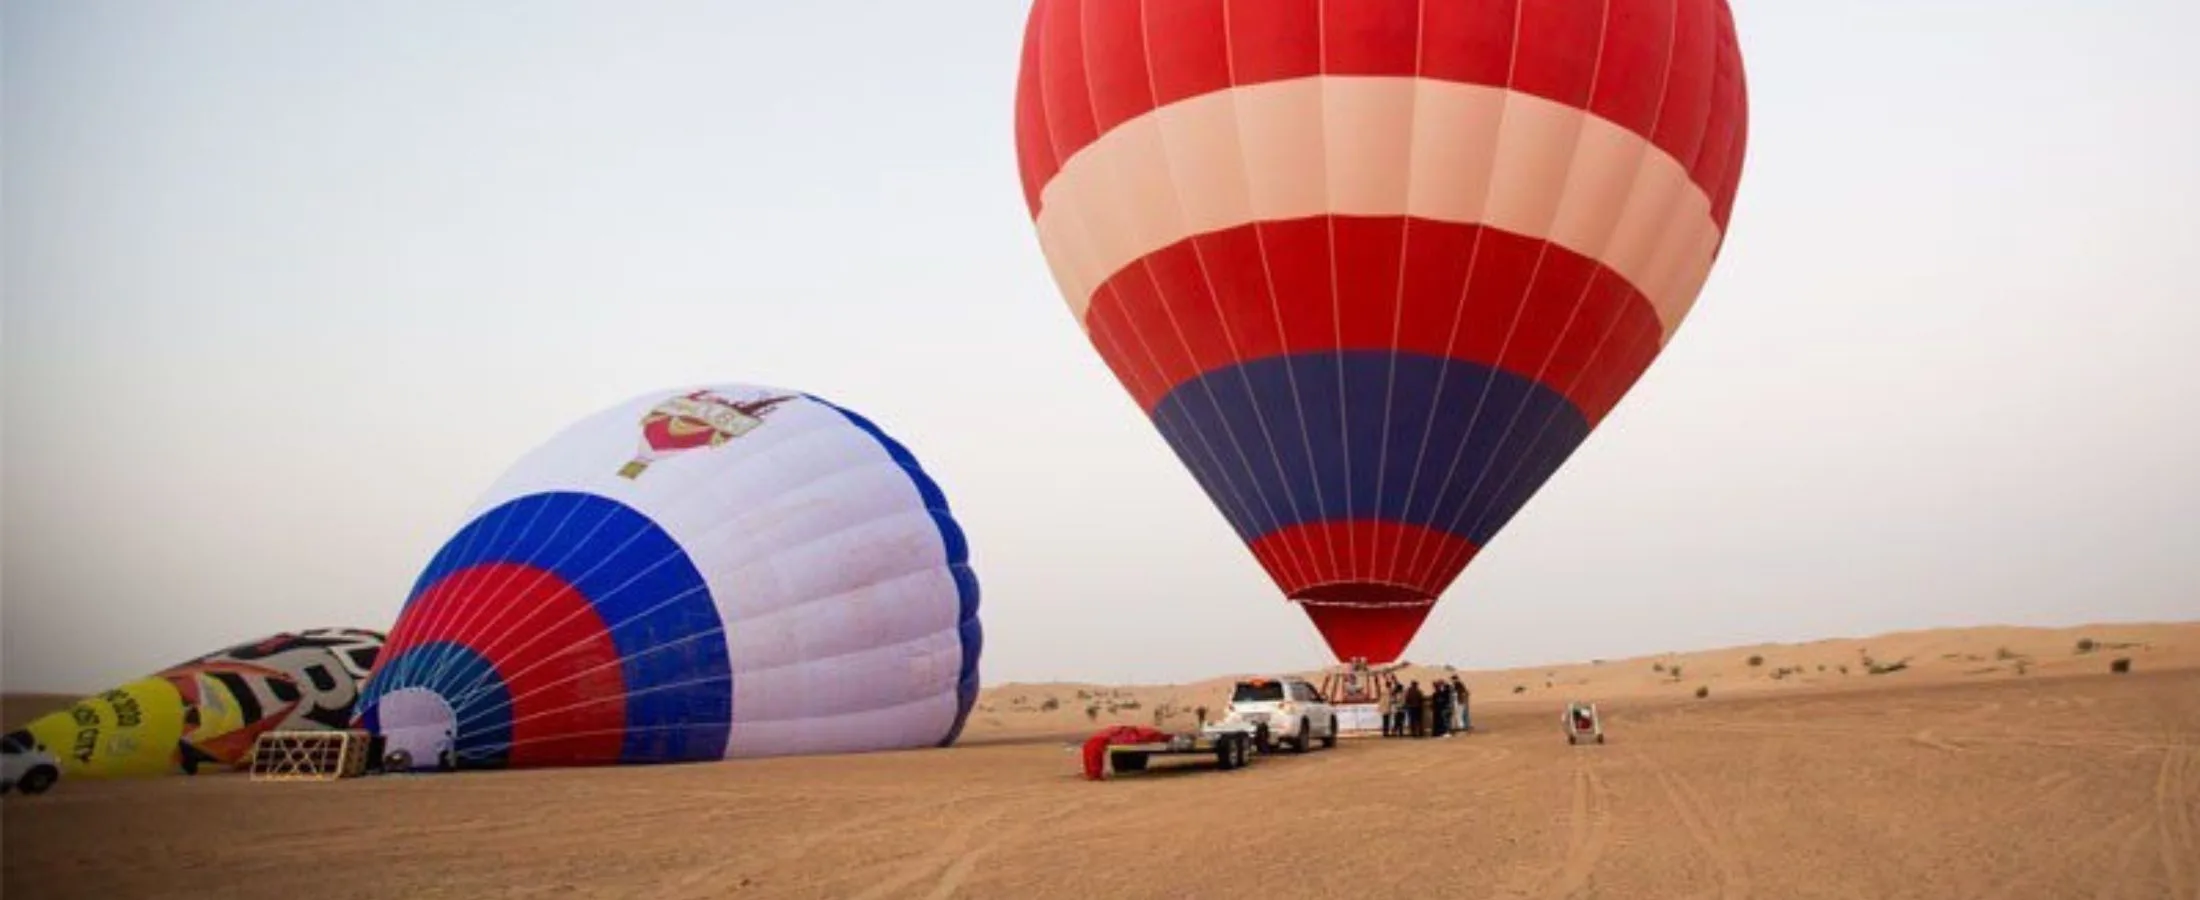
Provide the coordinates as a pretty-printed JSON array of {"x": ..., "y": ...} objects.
[{"x": 1992, "y": 762}]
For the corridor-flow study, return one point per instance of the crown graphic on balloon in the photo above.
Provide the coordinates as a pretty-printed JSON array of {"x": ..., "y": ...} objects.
[{"x": 696, "y": 421}]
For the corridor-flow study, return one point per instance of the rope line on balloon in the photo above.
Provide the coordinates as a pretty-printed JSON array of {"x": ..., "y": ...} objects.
[
  {"x": 1298, "y": 549},
  {"x": 476, "y": 714},
  {"x": 1654, "y": 333},
  {"x": 1398, "y": 298},
  {"x": 1336, "y": 303},
  {"x": 922, "y": 569},
  {"x": 440, "y": 619},
  {"x": 1218, "y": 470},
  {"x": 476, "y": 618},
  {"x": 1168, "y": 311},
  {"x": 485, "y": 750},
  {"x": 1537, "y": 452},
  {"x": 475, "y": 625},
  {"x": 1669, "y": 250},
  {"x": 503, "y": 680},
  {"x": 1451, "y": 341},
  {"x": 1275, "y": 305},
  {"x": 1566, "y": 185}
]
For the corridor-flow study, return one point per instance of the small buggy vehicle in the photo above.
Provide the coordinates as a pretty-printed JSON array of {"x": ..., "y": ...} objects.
[{"x": 1583, "y": 723}]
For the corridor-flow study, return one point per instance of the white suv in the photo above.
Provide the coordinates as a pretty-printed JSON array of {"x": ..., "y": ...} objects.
[
  {"x": 25, "y": 766},
  {"x": 1283, "y": 709}
]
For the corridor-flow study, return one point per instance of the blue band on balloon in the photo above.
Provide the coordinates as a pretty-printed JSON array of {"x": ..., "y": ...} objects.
[
  {"x": 1354, "y": 437},
  {"x": 650, "y": 597},
  {"x": 958, "y": 563}
]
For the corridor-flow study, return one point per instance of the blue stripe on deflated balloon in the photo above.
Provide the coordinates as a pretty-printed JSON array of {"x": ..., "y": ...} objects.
[
  {"x": 958, "y": 562},
  {"x": 649, "y": 595}
]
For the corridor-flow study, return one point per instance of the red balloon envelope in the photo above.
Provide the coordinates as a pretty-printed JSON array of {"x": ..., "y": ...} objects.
[{"x": 1375, "y": 268}]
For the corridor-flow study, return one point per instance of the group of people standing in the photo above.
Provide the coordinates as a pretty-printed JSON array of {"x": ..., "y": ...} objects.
[{"x": 1410, "y": 712}]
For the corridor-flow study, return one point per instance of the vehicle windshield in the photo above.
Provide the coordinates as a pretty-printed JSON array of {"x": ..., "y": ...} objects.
[
  {"x": 17, "y": 742},
  {"x": 1258, "y": 692}
]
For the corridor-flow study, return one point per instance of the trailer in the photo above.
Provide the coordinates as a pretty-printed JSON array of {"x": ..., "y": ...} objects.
[{"x": 1230, "y": 745}]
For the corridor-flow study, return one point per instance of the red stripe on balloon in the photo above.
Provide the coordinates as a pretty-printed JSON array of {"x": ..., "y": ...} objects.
[
  {"x": 550, "y": 649},
  {"x": 1216, "y": 300},
  {"x": 1670, "y": 71}
]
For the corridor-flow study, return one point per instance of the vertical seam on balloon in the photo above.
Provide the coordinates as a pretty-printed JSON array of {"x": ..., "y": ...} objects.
[
  {"x": 622, "y": 698},
  {"x": 1296, "y": 560},
  {"x": 1145, "y": 265},
  {"x": 1458, "y": 318},
  {"x": 445, "y": 617},
  {"x": 444, "y": 564},
  {"x": 1662, "y": 261},
  {"x": 1528, "y": 298},
  {"x": 1398, "y": 304},
  {"x": 512, "y": 700},
  {"x": 1275, "y": 304},
  {"x": 1336, "y": 297},
  {"x": 478, "y": 597},
  {"x": 592, "y": 603},
  {"x": 494, "y": 641},
  {"x": 1589, "y": 365},
  {"x": 505, "y": 747}
]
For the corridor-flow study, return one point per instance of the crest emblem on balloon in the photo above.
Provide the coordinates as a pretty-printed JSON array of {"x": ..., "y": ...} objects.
[
  {"x": 696, "y": 421},
  {"x": 1374, "y": 270}
]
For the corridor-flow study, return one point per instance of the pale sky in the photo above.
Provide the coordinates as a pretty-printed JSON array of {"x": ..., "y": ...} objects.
[{"x": 288, "y": 285}]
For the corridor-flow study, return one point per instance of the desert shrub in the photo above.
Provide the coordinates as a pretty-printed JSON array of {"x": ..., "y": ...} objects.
[
  {"x": 2120, "y": 665},
  {"x": 1895, "y": 666},
  {"x": 2023, "y": 668},
  {"x": 1821, "y": 667},
  {"x": 1130, "y": 704},
  {"x": 1676, "y": 672},
  {"x": 1051, "y": 705},
  {"x": 1755, "y": 661},
  {"x": 1092, "y": 712},
  {"x": 2086, "y": 645},
  {"x": 1703, "y": 691},
  {"x": 1084, "y": 695},
  {"x": 2004, "y": 654},
  {"x": 1203, "y": 714},
  {"x": 1520, "y": 689},
  {"x": 1844, "y": 670},
  {"x": 1657, "y": 667}
]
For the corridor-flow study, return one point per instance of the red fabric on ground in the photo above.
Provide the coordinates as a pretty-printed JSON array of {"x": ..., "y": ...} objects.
[{"x": 1096, "y": 747}]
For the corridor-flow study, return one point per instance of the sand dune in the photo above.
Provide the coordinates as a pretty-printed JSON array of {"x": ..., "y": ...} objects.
[{"x": 1954, "y": 776}]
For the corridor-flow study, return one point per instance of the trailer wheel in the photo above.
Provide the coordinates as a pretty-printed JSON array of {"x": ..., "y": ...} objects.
[
  {"x": 1261, "y": 740},
  {"x": 1129, "y": 762}
]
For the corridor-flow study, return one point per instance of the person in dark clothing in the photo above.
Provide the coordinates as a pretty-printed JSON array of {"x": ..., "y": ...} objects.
[
  {"x": 1440, "y": 710},
  {"x": 1416, "y": 710}
]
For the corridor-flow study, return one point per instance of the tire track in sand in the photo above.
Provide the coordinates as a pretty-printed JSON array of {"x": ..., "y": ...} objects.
[
  {"x": 2173, "y": 825},
  {"x": 1588, "y": 829},
  {"x": 1710, "y": 835}
]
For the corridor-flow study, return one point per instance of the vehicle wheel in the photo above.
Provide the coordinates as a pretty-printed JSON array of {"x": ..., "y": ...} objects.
[
  {"x": 1304, "y": 738},
  {"x": 1600, "y": 739},
  {"x": 37, "y": 780},
  {"x": 1229, "y": 753},
  {"x": 399, "y": 761},
  {"x": 1329, "y": 741},
  {"x": 1570, "y": 739},
  {"x": 1261, "y": 740},
  {"x": 1130, "y": 762}
]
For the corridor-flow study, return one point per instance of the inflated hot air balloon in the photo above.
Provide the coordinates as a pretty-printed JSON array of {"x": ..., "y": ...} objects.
[
  {"x": 208, "y": 711},
  {"x": 690, "y": 575},
  {"x": 1374, "y": 269}
]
